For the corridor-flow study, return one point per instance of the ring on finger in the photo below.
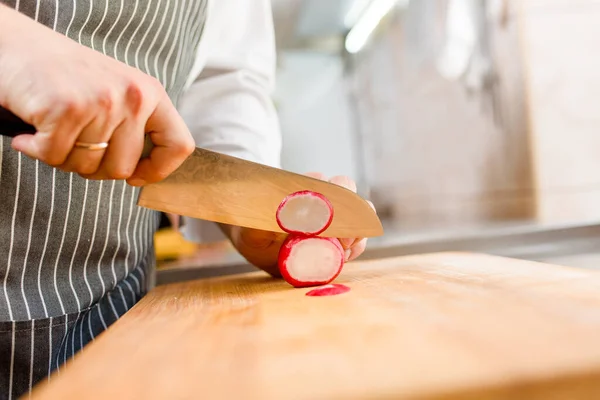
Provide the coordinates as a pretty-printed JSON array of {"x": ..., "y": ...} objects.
[{"x": 91, "y": 146}]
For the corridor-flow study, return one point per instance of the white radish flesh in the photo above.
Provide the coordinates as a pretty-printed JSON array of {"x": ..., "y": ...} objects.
[
  {"x": 310, "y": 261},
  {"x": 304, "y": 212}
]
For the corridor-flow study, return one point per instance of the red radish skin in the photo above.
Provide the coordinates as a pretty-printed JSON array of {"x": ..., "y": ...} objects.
[
  {"x": 306, "y": 261},
  {"x": 328, "y": 290},
  {"x": 304, "y": 213}
]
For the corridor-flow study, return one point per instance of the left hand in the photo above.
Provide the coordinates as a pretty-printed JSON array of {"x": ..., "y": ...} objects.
[{"x": 261, "y": 248}]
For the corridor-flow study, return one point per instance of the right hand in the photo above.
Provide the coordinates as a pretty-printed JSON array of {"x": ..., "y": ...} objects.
[{"x": 72, "y": 93}]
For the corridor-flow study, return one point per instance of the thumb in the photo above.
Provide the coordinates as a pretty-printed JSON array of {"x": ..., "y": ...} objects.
[{"x": 172, "y": 142}]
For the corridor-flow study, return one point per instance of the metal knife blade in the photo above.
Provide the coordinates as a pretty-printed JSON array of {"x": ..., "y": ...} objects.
[{"x": 229, "y": 190}]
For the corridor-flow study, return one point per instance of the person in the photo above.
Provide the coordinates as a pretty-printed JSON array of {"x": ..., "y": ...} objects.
[{"x": 94, "y": 78}]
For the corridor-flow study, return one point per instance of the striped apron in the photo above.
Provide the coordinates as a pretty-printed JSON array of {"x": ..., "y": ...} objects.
[{"x": 75, "y": 255}]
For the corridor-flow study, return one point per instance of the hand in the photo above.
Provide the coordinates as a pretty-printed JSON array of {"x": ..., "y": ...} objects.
[
  {"x": 72, "y": 93},
  {"x": 261, "y": 248}
]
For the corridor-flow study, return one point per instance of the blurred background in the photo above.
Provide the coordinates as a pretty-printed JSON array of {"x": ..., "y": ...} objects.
[{"x": 471, "y": 124}]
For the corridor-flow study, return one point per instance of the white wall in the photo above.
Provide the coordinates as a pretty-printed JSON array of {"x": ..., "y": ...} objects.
[
  {"x": 435, "y": 152},
  {"x": 316, "y": 116},
  {"x": 560, "y": 41}
]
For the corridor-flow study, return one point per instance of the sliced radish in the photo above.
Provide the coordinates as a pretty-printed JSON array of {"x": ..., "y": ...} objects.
[
  {"x": 310, "y": 260},
  {"x": 304, "y": 212},
  {"x": 328, "y": 290}
]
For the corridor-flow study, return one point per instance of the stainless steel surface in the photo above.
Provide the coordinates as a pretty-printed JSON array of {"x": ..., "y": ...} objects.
[
  {"x": 530, "y": 241},
  {"x": 550, "y": 243},
  {"x": 229, "y": 190}
]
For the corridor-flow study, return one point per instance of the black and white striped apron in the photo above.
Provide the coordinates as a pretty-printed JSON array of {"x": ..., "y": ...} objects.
[{"x": 75, "y": 255}]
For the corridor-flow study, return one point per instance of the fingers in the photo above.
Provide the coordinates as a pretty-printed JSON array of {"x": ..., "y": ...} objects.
[
  {"x": 347, "y": 242},
  {"x": 85, "y": 161},
  {"x": 125, "y": 134},
  {"x": 353, "y": 247},
  {"x": 349, "y": 184},
  {"x": 91, "y": 98},
  {"x": 357, "y": 249},
  {"x": 172, "y": 141},
  {"x": 316, "y": 175},
  {"x": 95, "y": 99},
  {"x": 344, "y": 181},
  {"x": 123, "y": 154},
  {"x": 372, "y": 205},
  {"x": 54, "y": 141},
  {"x": 358, "y": 246}
]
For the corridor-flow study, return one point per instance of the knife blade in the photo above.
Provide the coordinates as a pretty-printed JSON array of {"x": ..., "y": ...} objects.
[
  {"x": 230, "y": 190},
  {"x": 226, "y": 189}
]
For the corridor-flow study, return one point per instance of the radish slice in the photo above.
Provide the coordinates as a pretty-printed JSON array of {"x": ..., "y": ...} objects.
[
  {"x": 328, "y": 290},
  {"x": 310, "y": 260},
  {"x": 305, "y": 213}
]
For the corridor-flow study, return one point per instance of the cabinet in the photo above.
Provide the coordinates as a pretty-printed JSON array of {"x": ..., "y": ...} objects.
[
  {"x": 436, "y": 152},
  {"x": 560, "y": 42}
]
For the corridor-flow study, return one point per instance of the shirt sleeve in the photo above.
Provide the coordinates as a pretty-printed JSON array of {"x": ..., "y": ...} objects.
[{"x": 227, "y": 105}]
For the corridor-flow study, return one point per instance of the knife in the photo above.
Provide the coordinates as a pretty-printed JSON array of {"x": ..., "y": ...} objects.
[{"x": 226, "y": 189}]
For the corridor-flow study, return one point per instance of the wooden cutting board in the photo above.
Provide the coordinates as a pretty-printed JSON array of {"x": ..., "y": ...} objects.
[{"x": 445, "y": 325}]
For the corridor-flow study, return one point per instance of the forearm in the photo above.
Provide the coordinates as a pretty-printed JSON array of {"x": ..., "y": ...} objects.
[
  {"x": 12, "y": 24},
  {"x": 7, "y": 17},
  {"x": 15, "y": 25}
]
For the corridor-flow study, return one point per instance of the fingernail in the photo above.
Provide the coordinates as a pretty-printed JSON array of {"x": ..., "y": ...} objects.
[
  {"x": 347, "y": 254},
  {"x": 372, "y": 205},
  {"x": 136, "y": 182}
]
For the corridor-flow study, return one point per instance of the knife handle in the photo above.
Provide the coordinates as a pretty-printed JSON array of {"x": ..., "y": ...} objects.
[{"x": 11, "y": 125}]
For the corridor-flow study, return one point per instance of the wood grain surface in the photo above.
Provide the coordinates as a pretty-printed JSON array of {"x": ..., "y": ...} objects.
[{"x": 447, "y": 325}]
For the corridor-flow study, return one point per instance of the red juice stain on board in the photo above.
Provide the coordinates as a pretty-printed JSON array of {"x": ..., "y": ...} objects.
[{"x": 329, "y": 290}]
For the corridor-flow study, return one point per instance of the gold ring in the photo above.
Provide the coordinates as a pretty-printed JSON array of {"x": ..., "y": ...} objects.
[{"x": 91, "y": 146}]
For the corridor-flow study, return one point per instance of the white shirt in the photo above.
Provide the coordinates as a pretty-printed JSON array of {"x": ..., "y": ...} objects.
[{"x": 227, "y": 102}]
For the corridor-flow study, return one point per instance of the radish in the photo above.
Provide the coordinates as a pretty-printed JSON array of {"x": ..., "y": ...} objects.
[
  {"x": 306, "y": 259},
  {"x": 304, "y": 213},
  {"x": 328, "y": 290},
  {"x": 310, "y": 260}
]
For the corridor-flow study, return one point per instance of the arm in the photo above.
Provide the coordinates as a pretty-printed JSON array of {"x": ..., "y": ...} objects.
[
  {"x": 91, "y": 99},
  {"x": 227, "y": 106}
]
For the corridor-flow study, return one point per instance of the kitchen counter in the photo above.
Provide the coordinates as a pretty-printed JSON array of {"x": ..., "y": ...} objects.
[
  {"x": 520, "y": 239},
  {"x": 445, "y": 325}
]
